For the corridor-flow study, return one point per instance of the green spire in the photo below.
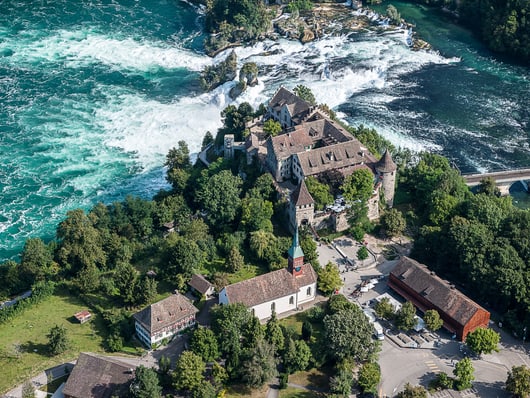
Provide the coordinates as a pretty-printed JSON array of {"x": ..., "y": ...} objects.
[{"x": 295, "y": 250}]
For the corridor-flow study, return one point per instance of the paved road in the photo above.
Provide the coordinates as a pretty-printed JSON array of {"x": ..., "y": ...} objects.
[{"x": 9, "y": 303}]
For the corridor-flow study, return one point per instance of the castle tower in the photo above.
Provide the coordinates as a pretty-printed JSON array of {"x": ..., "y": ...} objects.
[
  {"x": 386, "y": 172},
  {"x": 301, "y": 207},
  {"x": 295, "y": 258},
  {"x": 228, "y": 146}
]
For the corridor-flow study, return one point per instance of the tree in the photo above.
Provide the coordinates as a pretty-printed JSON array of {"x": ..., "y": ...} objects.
[
  {"x": 207, "y": 140},
  {"x": 307, "y": 330},
  {"x": 272, "y": 127},
  {"x": 184, "y": 257},
  {"x": 273, "y": 333},
  {"x": 236, "y": 262},
  {"x": 125, "y": 280},
  {"x": 411, "y": 391},
  {"x": 204, "y": 343},
  {"x": 483, "y": 341},
  {"x": 348, "y": 334},
  {"x": 259, "y": 364},
  {"x": 219, "y": 374},
  {"x": 204, "y": 390},
  {"x": 28, "y": 391},
  {"x": 393, "y": 14},
  {"x": 256, "y": 214},
  {"x": 518, "y": 381},
  {"x": 432, "y": 320},
  {"x": 358, "y": 186},
  {"x": 261, "y": 241},
  {"x": 145, "y": 383},
  {"x": 405, "y": 316},
  {"x": 57, "y": 340},
  {"x": 87, "y": 279},
  {"x": 305, "y": 93},
  {"x": 320, "y": 192},
  {"x": 342, "y": 383},
  {"x": 296, "y": 356},
  {"x": 362, "y": 253},
  {"x": 188, "y": 371},
  {"x": 337, "y": 303},
  {"x": 164, "y": 364},
  {"x": 464, "y": 374},
  {"x": 329, "y": 279},
  {"x": 147, "y": 290},
  {"x": 384, "y": 309},
  {"x": 393, "y": 222},
  {"x": 36, "y": 263},
  {"x": 487, "y": 186},
  {"x": 369, "y": 377},
  {"x": 219, "y": 197}
]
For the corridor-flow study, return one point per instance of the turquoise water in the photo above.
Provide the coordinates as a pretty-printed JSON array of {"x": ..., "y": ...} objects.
[{"x": 94, "y": 93}]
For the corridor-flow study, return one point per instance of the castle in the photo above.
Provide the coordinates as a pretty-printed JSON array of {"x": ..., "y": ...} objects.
[{"x": 312, "y": 144}]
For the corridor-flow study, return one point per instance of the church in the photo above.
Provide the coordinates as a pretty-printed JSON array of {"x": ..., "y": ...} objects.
[{"x": 277, "y": 291}]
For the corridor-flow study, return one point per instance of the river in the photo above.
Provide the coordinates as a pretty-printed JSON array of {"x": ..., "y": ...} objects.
[{"x": 94, "y": 93}]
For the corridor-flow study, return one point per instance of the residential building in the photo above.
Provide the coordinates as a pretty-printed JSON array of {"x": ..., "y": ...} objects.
[
  {"x": 199, "y": 284},
  {"x": 164, "y": 319},
  {"x": 416, "y": 283},
  {"x": 277, "y": 291},
  {"x": 97, "y": 376}
]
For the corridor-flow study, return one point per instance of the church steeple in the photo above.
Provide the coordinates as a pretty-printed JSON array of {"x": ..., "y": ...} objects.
[{"x": 296, "y": 256}]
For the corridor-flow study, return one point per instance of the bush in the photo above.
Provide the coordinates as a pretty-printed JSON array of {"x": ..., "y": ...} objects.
[
  {"x": 284, "y": 379},
  {"x": 316, "y": 314}
]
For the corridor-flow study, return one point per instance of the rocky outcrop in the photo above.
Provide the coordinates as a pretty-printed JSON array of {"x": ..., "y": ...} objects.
[
  {"x": 248, "y": 77},
  {"x": 215, "y": 75}
]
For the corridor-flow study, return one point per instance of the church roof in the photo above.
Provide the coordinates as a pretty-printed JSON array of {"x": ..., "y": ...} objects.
[
  {"x": 270, "y": 286},
  {"x": 301, "y": 196},
  {"x": 386, "y": 164},
  {"x": 165, "y": 313}
]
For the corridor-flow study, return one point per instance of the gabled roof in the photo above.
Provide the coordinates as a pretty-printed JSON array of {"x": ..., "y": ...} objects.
[
  {"x": 199, "y": 283},
  {"x": 96, "y": 376},
  {"x": 386, "y": 164},
  {"x": 284, "y": 145},
  {"x": 435, "y": 290},
  {"x": 301, "y": 196},
  {"x": 333, "y": 157},
  {"x": 165, "y": 313},
  {"x": 297, "y": 107},
  {"x": 270, "y": 286}
]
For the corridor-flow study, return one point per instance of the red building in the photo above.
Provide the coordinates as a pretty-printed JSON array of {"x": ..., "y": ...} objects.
[{"x": 416, "y": 283}]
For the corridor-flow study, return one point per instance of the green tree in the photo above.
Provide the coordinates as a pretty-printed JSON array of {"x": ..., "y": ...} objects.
[
  {"x": 36, "y": 262},
  {"x": 219, "y": 196},
  {"x": 28, "y": 391},
  {"x": 305, "y": 93},
  {"x": 307, "y": 330},
  {"x": 147, "y": 290},
  {"x": 464, "y": 374},
  {"x": 362, "y": 253},
  {"x": 164, "y": 364},
  {"x": 57, "y": 340},
  {"x": 320, "y": 192},
  {"x": 87, "y": 279},
  {"x": 358, "y": 186},
  {"x": 204, "y": 343},
  {"x": 272, "y": 127},
  {"x": 432, "y": 320},
  {"x": 188, "y": 373},
  {"x": 337, "y": 303},
  {"x": 259, "y": 365},
  {"x": 487, "y": 186},
  {"x": 348, "y": 334},
  {"x": 145, "y": 383},
  {"x": 261, "y": 241},
  {"x": 411, "y": 391},
  {"x": 219, "y": 375},
  {"x": 341, "y": 384},
  {"x": 296, "y": 356},
  {"x": 369, "y": 377},
  {"x": 204, "y": 390},
  {"x": 207, "y": 140},
  {"x": 518, "y": 381},
  {"x": 256, "y": 214},
  {"x": 125, "y": 280},
  {"x": 384, "y": 309},
  {"x": 393, "y": 222},
  {"x": 405, "y": 316},
  {"x": 185, "y": 256},
  {"x": 235, "y": 260},
  {"x": 273, "y": 332},
  {"x": 329, "y": 279},
  {"x": 483, "y": 341}
]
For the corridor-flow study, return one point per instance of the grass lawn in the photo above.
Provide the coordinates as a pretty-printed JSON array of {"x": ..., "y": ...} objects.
[
  {"x": 23, "y": 341},
  {"x": 311, "y": 378},
  {"x": 239, "y": 391},
  {"x": 291, "y": 392},
  {"x": 295, "y": 322}
]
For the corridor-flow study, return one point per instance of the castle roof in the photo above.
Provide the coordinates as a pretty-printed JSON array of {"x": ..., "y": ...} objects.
[
  {"x": 298, "y": 108},
  {"x": 165, "y": 313},
  {"x": 386, "y": 164},
  {"x": 270, "y": 286},
  {"x": 333, "y": 157},
  {"x": 301, "y": 196},
  {"x": 285, "y": 145}
]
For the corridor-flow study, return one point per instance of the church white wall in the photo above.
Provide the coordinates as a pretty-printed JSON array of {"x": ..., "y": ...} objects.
[
  {"x": 303, "y": 297},
  {"x": 282, "y": 304}
]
